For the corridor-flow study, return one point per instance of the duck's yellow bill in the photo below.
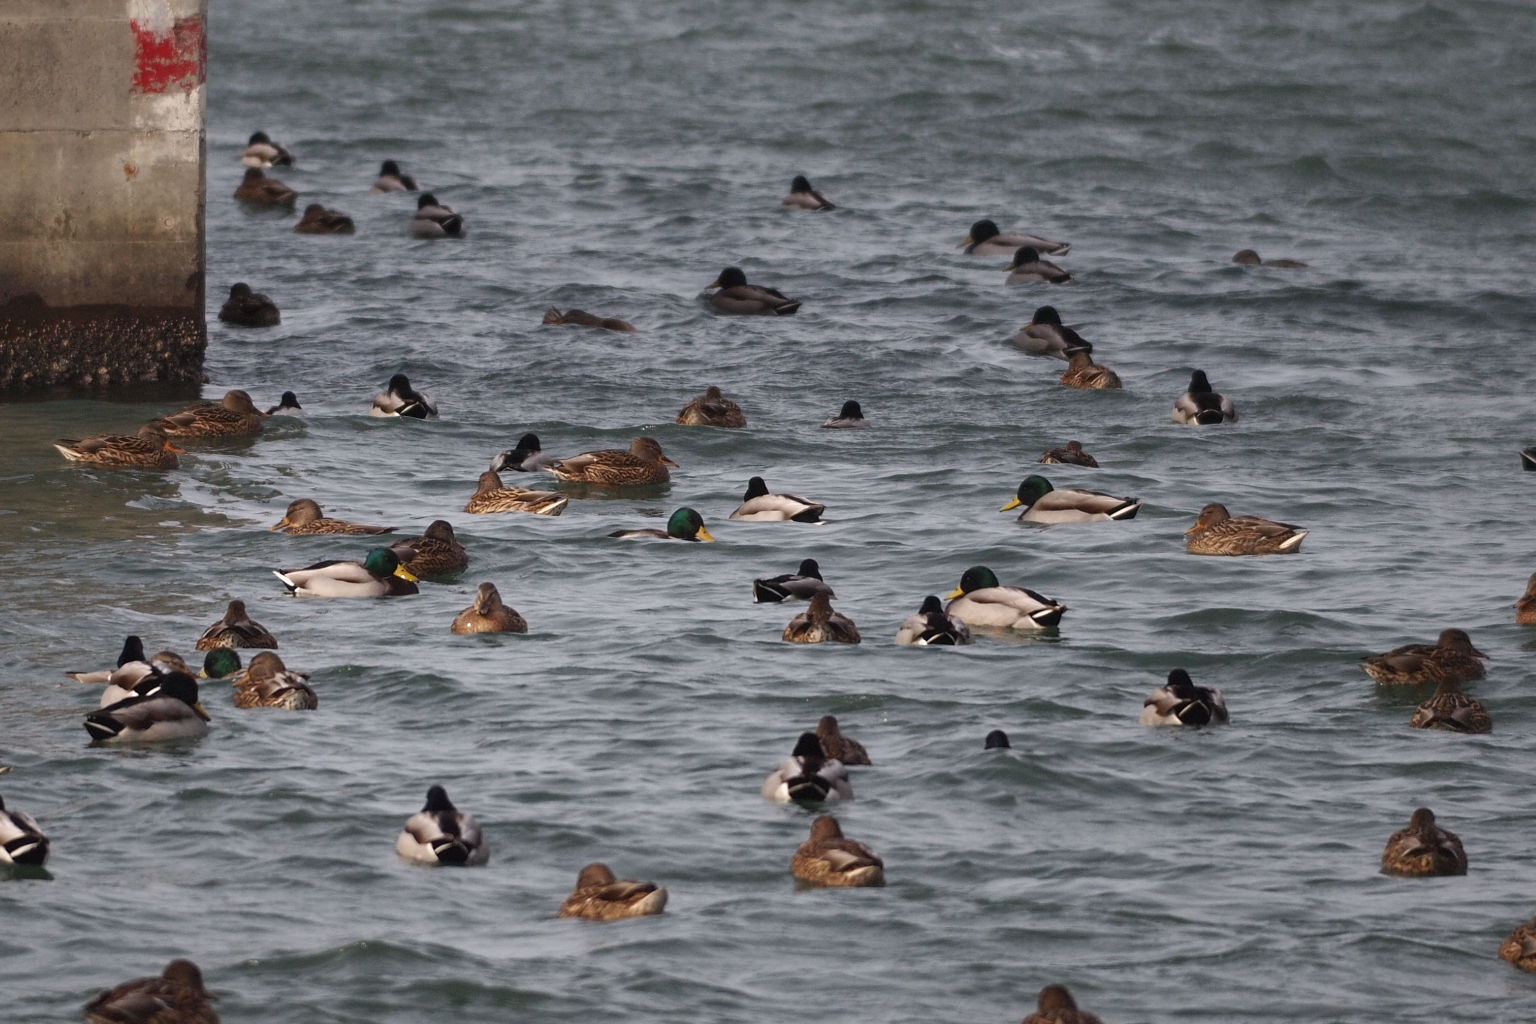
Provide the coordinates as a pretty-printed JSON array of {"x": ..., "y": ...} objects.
[
  {"x": 1015, "y": 503},
  {"x": 405, "y": 574},
  {"x": 965, "y": 243},
  {"x": 201, "y": 712},
  {"x": 958, "y": 593},
  {"x": 704, "y": 534}
]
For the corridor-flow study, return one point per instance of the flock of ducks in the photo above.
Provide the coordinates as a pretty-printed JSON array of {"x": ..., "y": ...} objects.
[{"x": 156, "y": 698}]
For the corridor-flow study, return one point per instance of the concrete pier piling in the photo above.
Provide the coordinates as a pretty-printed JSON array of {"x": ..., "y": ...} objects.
[{"x": 101, "y": 192}]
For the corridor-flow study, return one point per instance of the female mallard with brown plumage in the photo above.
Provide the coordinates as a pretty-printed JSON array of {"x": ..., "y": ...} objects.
[
  {"x": 319, "y": 220},
  {"x": 1520, "y": 948},
  {"x": 488, "y": 615},
  {"x": 712, "y": 409},
  {"x": 236, "y": 629},
  {"x": 235, "y": 414},
  {"x": 1071, "y": 454},
  {"x": 268, "y": 683},
  {"x": 644, "y": 463},
  {"x": 1452, "y": 711},
  {"x": 820, "y": 624},
  {"x": 304, "y": 516},
  {"x": 437, "y": 552},
  {"x": 734, "y": 295},
  {"x": 829, "y": 858},
  {"x": 599, "y": 896},
  {"x": 1218, "y": 532},
  {"x": 1525, "y": 608},
  {"x": 259, "y": 190},
  {"x": 1452, "y": 656},
  {"x": 176, "y": 996},
  {"x": 1056, "y": 1006},
  {"x": 148, "y": 449},
  {"x": 1423, "y": 848},
  {"x": 491, "y": 495},
  {"x": 1083, "y": 373},
  {"x": 581, "y": 318},
  {"x": 834, "y": 744}
]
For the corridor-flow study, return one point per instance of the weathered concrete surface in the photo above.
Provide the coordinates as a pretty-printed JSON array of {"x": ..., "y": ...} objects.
[{"x": 101, "y": 192}]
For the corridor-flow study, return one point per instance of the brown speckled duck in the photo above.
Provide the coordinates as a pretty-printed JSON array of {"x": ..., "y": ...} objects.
[
  {"x": 437, "y": 552},
  {"x": 1452, "y": 656},
  {"x": 644, "y": 463},
  {"x": 236, "y": 629},
  {"x": 235, "y": 414},
  {"x": 1525, "y": 608},
  {"x": 581, "y": 318},
  {"x": 148, "y": 449},
  {"x": 1218, "y": 532},
  {"x": 1082, "y": 372},
  {"x": 1423, "y": 848},
  {"x": 829, "y": 858},
  {"x": 820, "y": 624},
  {"x": 491, "y": 495},
  {"x": 259, "y": 190},
  {"x": 1071, "y": 454},
  {"x": 599, "y": 896},
  {"x": 268, "y": 683},
  {"x": 835, "y": 744},
  {"x": 1249, "y": 258},
  {"x": 1451, "y": 710},
  {"x": 734, "y": 295},
  {"x": 488, "y": 615},
  {"x": 712, "y": 409},
  {"x": 318, "y": 220},
  {"x": 176, "y": 996},
  {"x": 1056, "y": 1006},
  {"x": 247, "y": 308},
  {"x": 305, "y": 517},
  {"x": 1520, "y": 948}
]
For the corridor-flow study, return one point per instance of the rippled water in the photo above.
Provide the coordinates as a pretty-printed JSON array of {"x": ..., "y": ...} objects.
[{"x": 614, "y": 157}]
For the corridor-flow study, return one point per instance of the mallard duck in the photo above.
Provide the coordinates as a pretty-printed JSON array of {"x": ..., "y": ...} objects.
[
  {"x": 1028, "y": 268},
  {"x": 808, "y": 776},
  {"x": 171, "y": 711},
  {"x": 712, "y": 409},
  {"x": 1423, "y": 848},
  {"x": 1452, "y": 711},
  {"x": 849, "y": 416},
  {"x": 318, "y": 220},
  {"x": 996, "y": 740},
  {"x": 1056, "y": 1006},
  {"x": 985, "y": 239},
  {"x": 304, "y": 517},
  {"x": 436, "y": 220},
  {"x": 981, "y": 601},
  {"x": 1071, "y": 455},
  {"x": 392, "y": 179},
  {"x": 247, "y": 308},
  {"x": 931, "y": 627},
  {"x": 1520, "y": 948},
  {"x": 800, "y": 585},
  {"x": 437, "y": 552},
  {"x": 835, "y": 745},
  {"x": 148, "y": 449},
  {"x": 489, "y": 615},
  {"x": 1202, "y": 406},
  {"x": 1045, "y": 504},
  {"x": 220, "y": 663},
  {"x": 440, "y": 833},
  {"x": 491, "y": 495},
  {"x": 1218, "y": 532},
  {"x": 139, "y": 678},
  {"x": 1045, "y": 335},
  {"x": 736, "y": 296},
  {"x": 380, "y": 574},
  {"x": 21, "y": 841},
  {"x": 261, "y": 151},
  {"x": 1249, "y": 258},
  {"x": 1525, "y": 608},
  {"x": 1082, "y": 372},
  {"x": 133, "y": 651},
  {"x": 400, "y": 399},
  {"x": 236, "y": 629},
  {"x": 234, "y": 415},
  {"x": 581, "y": 318},
  {"x": 286, "y": 406},
  {"x": 1451, "y": 656},
  {"x": 601, "y": 897},
  {"x": 830, "y": 858},
  {"x": 643, "y": 464},
  {"x": 803, "y": 197},
  {"x": 1181, "y": 702},
  {"x": 819, "y": 624},
  {"x": 268, "y": 683},
  {"x": 259, "y": 190},
  {"x": 1528, "y": 458},
  {"x": 683, "y": 524},
  {"x": 758, "y": 506},
  {"x": 176, "y": 996},
  {"x": 527, "y": 457}
]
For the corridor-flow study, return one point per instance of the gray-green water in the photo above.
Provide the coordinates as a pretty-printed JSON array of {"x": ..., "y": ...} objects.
[{"x": 614, "y": 157}]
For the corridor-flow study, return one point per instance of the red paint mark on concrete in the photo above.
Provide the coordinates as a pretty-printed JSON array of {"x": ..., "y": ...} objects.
[
  {"x": 170, "y": 60},
  {"x": 130, "y": 171}
]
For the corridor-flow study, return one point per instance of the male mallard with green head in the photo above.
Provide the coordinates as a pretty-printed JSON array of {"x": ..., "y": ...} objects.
[
  {"x": 171, "y": 711},
  {"x": 440, "y": 833},
  {"x": 683, "y": 524},
  {"x": 931, "y": 626},
  {"x": 985, "y": 239},
  {"x": 380, "y": 574},
  {"x": 734, "y": 295},
  {"x": 1043, "y": 503},
  {"x": 758, "y": 506},
  {"x": 21, "y": 840},
  {"x": 981, "y": 601},
  {"x": 1181, "y": 702},
  {"x": 808, "y": 776},
  {"x": 1028, "y": 268},
  {"x": 1046, "y": 335},
  {"x": 800, "y": 585},
  {"x": 1201, "y": 405}
]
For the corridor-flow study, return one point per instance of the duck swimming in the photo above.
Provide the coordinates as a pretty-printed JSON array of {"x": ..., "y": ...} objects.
[
  {"x": 712, "y": 409},
  {"x": 1520, "y": 948},
  {"x": 305, "y": 517},
  {"x": 261, "y": 151},
  {"x": 1525, "y": 608},
  {"x": 1045, "y": 335},
  {"x": 392, "y": 179},
  {"x": 1451, "y": 656},
  {"x": 683, "y": 524},
  {"x": 581, "y": 318},
  {"x": 176, "y": 996},
  {"x": 1082, "y": 372},
  {"x": 1423, "y": 849},
  {"x": 137, "y": 678},
  {"x": 148, "y": 449},
  {"x": 1029, "y": 268},
  {"x": 437, "y": 552},
  {"x": 1249, "y": 258},
  {"x": 170, "y": 712},
  {"x": 849, "y": 416},
  {"x": 318, "y": 220},
  {"x": 268, "y": 683},
  {"x": 808, "y": 776},
  {"x": 440, "y": 833},
  {"x": 21, "y": 840},
  {"x": 803, "y": 197},
  {"x": 491, "y": 496},
  {"x": 736, "y": 296},
  {"x": 1056, "y": 1006},
  {"x": 828, "y": 858},
  {"x": 820, "y": 624},
  {"x": 286, "y": 405},
  {"x": 1181, "y": 702},
  {"x": 232, "y": 416},
  {"x": 643, "y": 464},
  {"x": 247, "y": 308},
  {"x": 1218, "y": 532},
  {"x": 1046, "y": 504},
  {"x": 488, "y": 615},
  {"x": 800, "y": 585},
  {"x": 527, "y": 457},
  {"x": 236, "y": 629},
  {"x": 1200, "y": 405},
  {"x": 256, "y": 189},
  {"x": 931, "y": 627},
  {"x": 835, "y": 745},
  {"x": 981, "y": 601},
  {"x": 400, "y": 399},
  {"x": 996, "y": 740},
  {"x": 133, "y": 651},
  {"x": 1451, "y": 710},
  {"x": 380, "y": 574},
  {"x": 758, "y": 506},
  {"x": 435, "y": 220},
  {"x": 1070, "y": 455},
  {"x": 599, "y": 896},
  {"x": 985, "y": 239}
]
